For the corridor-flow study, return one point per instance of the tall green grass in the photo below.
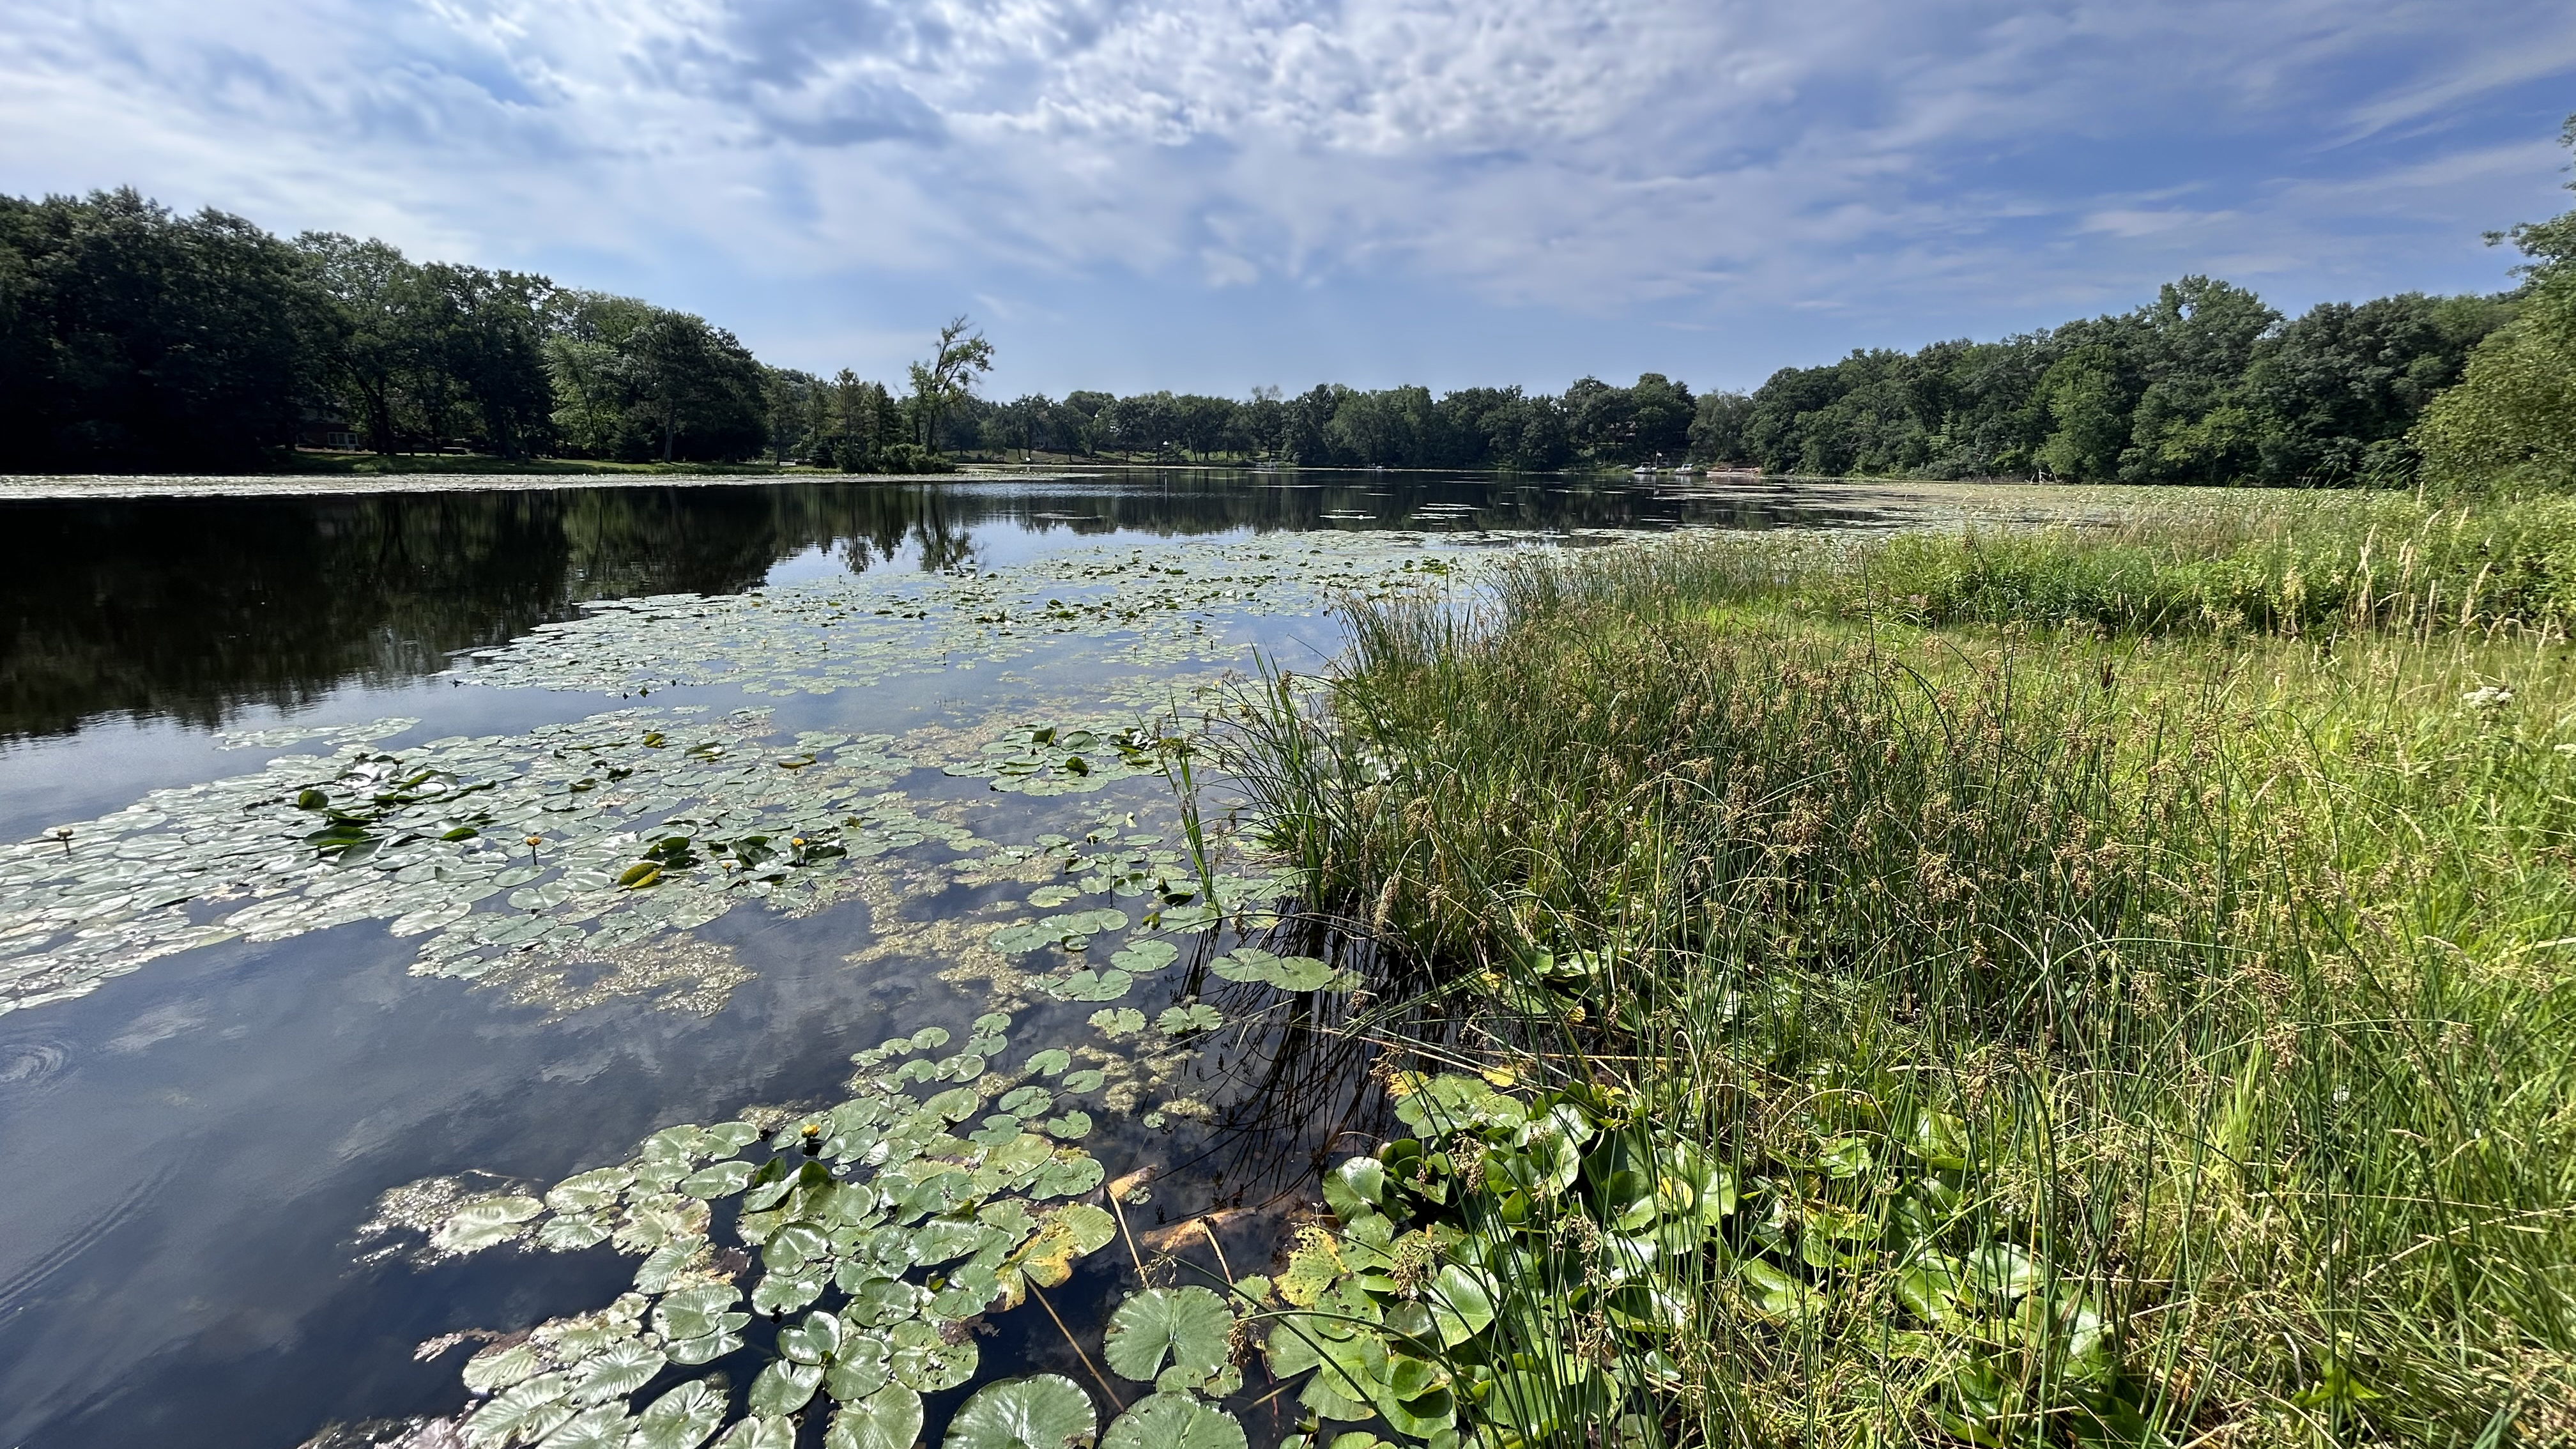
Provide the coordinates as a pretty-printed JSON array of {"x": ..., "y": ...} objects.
[{"x": 2219, "y": 947}]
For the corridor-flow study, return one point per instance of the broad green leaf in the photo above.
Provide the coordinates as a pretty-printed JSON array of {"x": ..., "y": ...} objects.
[
  {"x": 1198, "y": 1016},
  {"x": 616, "y": 1371},
  {"x": 691, "y": 1312},
  {"x": 1461, "y": 1300},
  {"x": 1140, "y": 957},
  {"x": 811, "y": 1339},
  {"x": 1118, "y": 1022},
  {"x": 760, "y": 1433},
  {"x": 784, "y": 1387},
  {"x": 1189, "y": 1325},
  {"x": 590, "y": 1191},
  {"x": 1089, "y": 985},
  {"x": 921, "y": 1359},
  {"x": 1043, "y": 1411},
  {"x": 601, "y": 1426},
  {"x": 499, "y": 1367},
  {"x": 483, "y": 1222},
  {"x": 890, "y": 1418},
  {"x": 722, "y": 1180},
  {"x": 1050, "y": 1062},
  {"x": 1173, "y": 1421},
  {"x": 527, "y": 1410},
  {"x": 680, "y": 1419},
  {"x": 1358, "y": 1183},
  {"x": 858, "y": 1370}
]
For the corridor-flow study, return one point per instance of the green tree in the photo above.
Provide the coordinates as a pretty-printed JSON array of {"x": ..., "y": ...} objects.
[
  {"x": 939, "y": 384},
  {"x": 2511, "y": 421},
  {"x": 137, "y": 338},
  {"x": 372, "y": 298}
]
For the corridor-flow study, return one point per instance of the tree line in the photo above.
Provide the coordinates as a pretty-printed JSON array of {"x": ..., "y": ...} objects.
[
  {"x": 132, "y": 337},
  {"x": 135, "y": 338}
]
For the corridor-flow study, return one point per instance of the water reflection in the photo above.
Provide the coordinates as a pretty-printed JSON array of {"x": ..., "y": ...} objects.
[{"x": 195, "y": 608}]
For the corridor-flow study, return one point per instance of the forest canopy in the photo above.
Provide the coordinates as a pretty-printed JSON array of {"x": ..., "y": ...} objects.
[{"x": 135, "y": 338}]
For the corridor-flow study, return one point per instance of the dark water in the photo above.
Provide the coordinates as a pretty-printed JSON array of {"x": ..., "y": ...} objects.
[{"x": 186, "y": 1150}]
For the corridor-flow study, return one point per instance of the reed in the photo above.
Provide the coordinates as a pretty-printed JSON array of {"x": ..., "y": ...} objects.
[{"x": 2123, "y": 973}]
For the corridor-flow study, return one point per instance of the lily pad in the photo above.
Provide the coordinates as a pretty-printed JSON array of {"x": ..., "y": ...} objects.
[
  {"x": 784, "y": 1387},
  {"x": 1189, "y": 1326},
  {"x": 1173, "y": 1421},
  {"x": 1043, "y": 1411},
  {"x": 920, "y": 1358},
  {"x": 890, "y": 1418},
  {"x": 1088, "y": 985},
  {"x": 680, "y": 1419},
  {"x": 1189, "y": 1020},
  {"x": 1118, "y": 1022},
  {"x": 1140, "y": 957}
]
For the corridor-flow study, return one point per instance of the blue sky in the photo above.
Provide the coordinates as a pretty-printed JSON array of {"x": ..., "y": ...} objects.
[{"x": 1209, "y": 196}]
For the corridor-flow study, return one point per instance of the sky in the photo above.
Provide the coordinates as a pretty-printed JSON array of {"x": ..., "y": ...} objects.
[{"x": 1213, "y": 195}]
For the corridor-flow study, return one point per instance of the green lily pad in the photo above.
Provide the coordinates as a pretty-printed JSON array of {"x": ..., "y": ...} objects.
[
  {"x": 1141, "y": 957},
  {"x": 784, "y": 1387},
  {"x": 811, "y": 1339},
  {"x": 616, "y": 1371},
  {"x": 692, "y": 1312},
  {"x": 1071, "y": 1127},
  {"x": 1050, "y": 1062},
  {"x": 1043, "y": 1411},
  {"x": 1088, "y": 985},
  {"x": 601, "y": 1426},
  {"x": 890, "y": 1418},
  {"x": 680, "y": 1419},
  {"x": 1173, "y": 1421},
  {"x": 1029, "y": 1101},
  {"x": 1188, "y": 1020},
  {"x": 1288, "y": 973},
  {"x": 1119, "y": 1022},
  {"x": 527, "y": 1410},
  {"x": 921, "y": 1359},
  {"x": 484, "y": 1223},
  {"x": 1461, "y": 1301},
  {"x": 761, "y": 1432},
  {"x": 1087, "y": 1080},
  {"x": 1189, "y": 1325}
]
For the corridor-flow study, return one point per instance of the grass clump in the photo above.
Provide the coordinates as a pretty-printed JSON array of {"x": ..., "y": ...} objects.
[{"x": 2104, "y": 1037}]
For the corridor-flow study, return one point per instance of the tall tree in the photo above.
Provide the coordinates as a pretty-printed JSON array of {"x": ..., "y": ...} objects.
[{"x": 939, "y": 384}]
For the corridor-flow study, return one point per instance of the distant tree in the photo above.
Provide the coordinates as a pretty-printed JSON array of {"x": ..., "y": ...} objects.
[
  {"x": 2511, "y": 421},
  {"x": 1717, "y": 427},
  {"x": 373, "y": 340},
  {"x": 482, "y": 333},
  {"x": 2338, "y": 388},
  {"x": 939, "y": 384},
  {"x": 136, "y": 338},
  {"x": 694, "y": 383}
]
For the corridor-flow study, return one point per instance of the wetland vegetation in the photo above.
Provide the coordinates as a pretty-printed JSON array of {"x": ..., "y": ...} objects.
[{"x": 2072, "y": 986}]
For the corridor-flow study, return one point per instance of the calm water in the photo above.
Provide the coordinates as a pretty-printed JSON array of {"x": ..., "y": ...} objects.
[{"x": 191, "y": 1136}]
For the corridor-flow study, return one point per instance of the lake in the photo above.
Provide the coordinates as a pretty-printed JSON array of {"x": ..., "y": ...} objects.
[{"x": 390, "y": 865}]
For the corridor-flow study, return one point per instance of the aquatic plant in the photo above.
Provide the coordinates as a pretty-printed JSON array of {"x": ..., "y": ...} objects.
[{"x": 2108, "y": 1039}]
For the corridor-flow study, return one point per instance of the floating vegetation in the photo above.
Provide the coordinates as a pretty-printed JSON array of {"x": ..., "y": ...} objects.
[
  {"x": 520, "y": 858},
  {"x": 1154, "y": 607}
]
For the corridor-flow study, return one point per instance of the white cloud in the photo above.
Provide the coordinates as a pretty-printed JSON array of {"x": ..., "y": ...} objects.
[{"x": 1590, "y": 157}]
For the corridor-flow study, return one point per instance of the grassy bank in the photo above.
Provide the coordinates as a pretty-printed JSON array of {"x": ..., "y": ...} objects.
[
  {"x": 2097, "y": 986},
  {"x": 370, "y": 464}
]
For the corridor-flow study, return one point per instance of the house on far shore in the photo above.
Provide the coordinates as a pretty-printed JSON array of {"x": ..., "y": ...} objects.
[{"x": 327, "y": 428}]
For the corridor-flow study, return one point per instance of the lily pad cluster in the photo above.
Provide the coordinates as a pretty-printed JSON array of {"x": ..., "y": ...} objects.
[
  {"x": 1062, "y": 759},
  {"x": 1528, "y": 1261},
  {"x": 1151, "y": 607},
  {"x": 872, "y": 1235},
  {"x": 574, "y": 840}
]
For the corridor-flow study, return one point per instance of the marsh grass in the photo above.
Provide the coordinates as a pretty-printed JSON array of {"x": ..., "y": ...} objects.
[{"x": 2216, "y": 943}]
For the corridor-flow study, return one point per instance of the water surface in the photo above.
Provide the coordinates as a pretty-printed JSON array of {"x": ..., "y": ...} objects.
[{"x": 207, "y": 1087}]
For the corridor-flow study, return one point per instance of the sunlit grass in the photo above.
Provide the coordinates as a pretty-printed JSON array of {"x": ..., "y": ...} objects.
[{"x": 2211, "y": 873}]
